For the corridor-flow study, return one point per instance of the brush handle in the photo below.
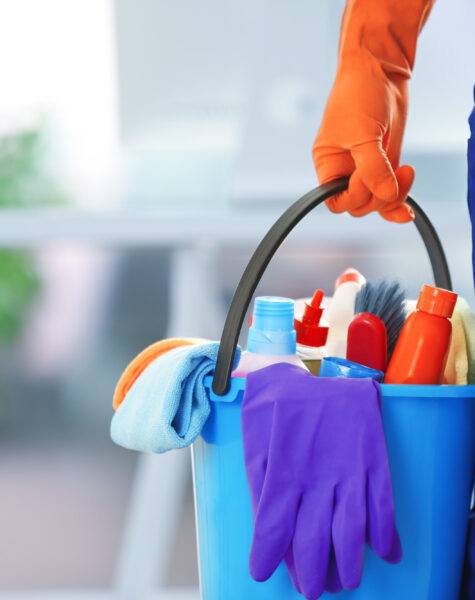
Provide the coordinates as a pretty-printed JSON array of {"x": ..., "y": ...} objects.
[{"x": 269, "y": 245}]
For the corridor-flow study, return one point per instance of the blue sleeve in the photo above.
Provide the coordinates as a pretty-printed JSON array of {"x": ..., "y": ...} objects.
[{"x": 471, "y": 181}]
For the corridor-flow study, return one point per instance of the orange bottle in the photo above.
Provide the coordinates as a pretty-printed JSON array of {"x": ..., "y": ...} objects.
[{"x": 421, "y": 350}]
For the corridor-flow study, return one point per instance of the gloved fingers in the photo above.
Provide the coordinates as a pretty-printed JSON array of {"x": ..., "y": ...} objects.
[
  {"x": 256, "y": 419},
  {"x": 335, "y": 163},
  {"x": 355, "y": 196},
  {"x": 312, "y": 542},
  {"x": 400, "y": 212},
  {"x": 372, "y": 205},
  {"x": 273, "y": 531},
  {"x": 381, "y": 528},
  {"x": 390, "y": 210},
  {"x": 349, "y": 531},
  {"x": 395, "y": 553},
  {"x": 333, "y": 582},
  {"x": 375, "y": 170},
  {"x": 290, "y": 564},
  {"x": 332, "y": 162}
]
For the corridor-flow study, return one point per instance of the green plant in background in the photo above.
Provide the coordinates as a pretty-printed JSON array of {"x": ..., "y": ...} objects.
[
  {"x": 19, "y": 283},
  {"x": 24, "y": 182}
]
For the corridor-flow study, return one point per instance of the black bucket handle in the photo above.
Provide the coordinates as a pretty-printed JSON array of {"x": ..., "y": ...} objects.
[{"x": 268, "y": 247}]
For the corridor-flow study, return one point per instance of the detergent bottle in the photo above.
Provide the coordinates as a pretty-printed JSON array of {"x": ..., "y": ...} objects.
[
  {"x": 312, "y": 333},
  {"x": 342, "y": 310},
  {"x": 272, "y": 337},
  {"x": 421, "y": 351}
]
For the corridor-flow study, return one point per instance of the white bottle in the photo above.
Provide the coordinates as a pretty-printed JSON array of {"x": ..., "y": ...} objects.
[
  {"x": 272, "y": 337},
  {"x": 342, "y": 310}
]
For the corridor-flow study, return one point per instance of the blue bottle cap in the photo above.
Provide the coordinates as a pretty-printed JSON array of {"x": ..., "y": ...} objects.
[{"x": 272, "y": 330}]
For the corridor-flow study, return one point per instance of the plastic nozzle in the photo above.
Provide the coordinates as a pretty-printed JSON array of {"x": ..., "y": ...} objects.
[{"x": 311, "y": 330}]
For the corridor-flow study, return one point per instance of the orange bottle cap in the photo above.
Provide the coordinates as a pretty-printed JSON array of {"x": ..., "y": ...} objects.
[{"x": 437, "y": 301}]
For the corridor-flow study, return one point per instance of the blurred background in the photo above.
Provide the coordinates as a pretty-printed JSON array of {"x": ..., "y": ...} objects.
[{"x": 145, "y": 148}]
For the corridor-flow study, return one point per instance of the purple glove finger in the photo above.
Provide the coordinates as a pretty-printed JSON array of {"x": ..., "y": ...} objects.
[
  {"x": 333, "y": 583},
  {"x": 312, "y": 541},
  {"x": 273, "y": 530},
  {"x": 290, "y": 564},
  {"x": 256, "y": 419},
  {"x": 349, "y": 531},
  {"x": 257, "y": 423},
  {"x": 382, "y": 534}
]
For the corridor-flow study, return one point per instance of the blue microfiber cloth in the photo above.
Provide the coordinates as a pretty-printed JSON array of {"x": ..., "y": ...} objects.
[{"x": 168, "y": 405}]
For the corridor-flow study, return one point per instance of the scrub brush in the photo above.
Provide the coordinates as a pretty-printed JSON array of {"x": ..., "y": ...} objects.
[{"x": 387, "y": 301}]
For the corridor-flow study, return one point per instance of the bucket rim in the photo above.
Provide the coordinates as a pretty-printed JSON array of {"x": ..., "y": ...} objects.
[
  {"x": 392, "y": 390},
  {"x": 388, "y": 390}
]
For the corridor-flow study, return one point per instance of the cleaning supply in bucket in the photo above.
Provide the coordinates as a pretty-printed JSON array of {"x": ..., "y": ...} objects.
[
  {"x": 334, "y": 366},
  {"x": 456, "y": 369},
  {"x": 421, "y": 351},
  {"x": 272, "y": 337},
  {"x": 468, "y": 321},
  {"x": 387, "y": 300},
  {"x": 367, "y": 341},
  {"x": 312, "y": 333},
  {"x": 168, "y": 405},
  {"x": 342, "y": 310},
  {"x": 318, "y": 473}
]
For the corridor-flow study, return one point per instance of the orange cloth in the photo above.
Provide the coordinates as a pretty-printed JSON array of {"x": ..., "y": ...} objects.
[
  {"x": 363, "y": 124},
  {"x": 141, "y": 362}
]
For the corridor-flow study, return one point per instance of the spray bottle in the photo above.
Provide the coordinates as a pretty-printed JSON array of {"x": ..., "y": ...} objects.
[
  {"x": 312, "y": 333},
  {"x": 342, "y": 310}
]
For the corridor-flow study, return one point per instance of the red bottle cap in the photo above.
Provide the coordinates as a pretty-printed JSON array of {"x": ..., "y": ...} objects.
[
  {"x": 437, "y": 301},
  {"x": 350, "y": 275},
  {"x": 308, "y": 328}
]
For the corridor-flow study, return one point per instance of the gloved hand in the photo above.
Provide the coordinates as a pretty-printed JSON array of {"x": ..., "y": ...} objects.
[
  {"x": 319, "y": 478},
  {"x": 363, "y": 124}
]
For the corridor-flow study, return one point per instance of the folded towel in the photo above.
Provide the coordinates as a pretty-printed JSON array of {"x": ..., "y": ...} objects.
[
  {"x": 469, "y": 327},
  {"x": 142, "y": 360},
  {"x": 456, "y": 369},
  {"x": 168, "y": 405}
]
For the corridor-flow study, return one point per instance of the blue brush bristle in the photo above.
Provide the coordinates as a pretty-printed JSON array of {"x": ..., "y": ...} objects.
[{"x": 387, "y": 300}]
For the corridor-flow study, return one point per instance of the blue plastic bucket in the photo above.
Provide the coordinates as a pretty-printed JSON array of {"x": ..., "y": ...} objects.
[{"x": 430, "y": 435}]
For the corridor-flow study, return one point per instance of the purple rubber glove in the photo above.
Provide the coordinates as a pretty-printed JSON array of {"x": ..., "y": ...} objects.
[{"x": 318, "y": 473}]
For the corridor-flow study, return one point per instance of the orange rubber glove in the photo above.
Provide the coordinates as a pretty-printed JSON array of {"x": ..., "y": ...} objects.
[
  {"x": 363, "y": 124},
  {"x": 141, "y": 362}
]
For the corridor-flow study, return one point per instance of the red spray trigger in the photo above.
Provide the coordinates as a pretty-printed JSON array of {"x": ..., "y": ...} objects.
[{"x": 311, "y": 330}]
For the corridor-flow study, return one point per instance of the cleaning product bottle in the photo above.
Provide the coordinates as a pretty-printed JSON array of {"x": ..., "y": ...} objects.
[
  {"x": 312, "y": 333},
  {"x": 342, "y": 310},
  {"x": 421, "y": 350},
  {"x": 272, "y": 337}
]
